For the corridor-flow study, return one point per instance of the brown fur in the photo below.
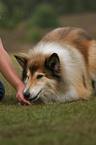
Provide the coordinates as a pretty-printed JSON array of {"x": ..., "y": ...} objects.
[
  {"x": 76, "y": 37},
  {"x": 81, "y": 40},
  {"x": 79, "y": 43}
]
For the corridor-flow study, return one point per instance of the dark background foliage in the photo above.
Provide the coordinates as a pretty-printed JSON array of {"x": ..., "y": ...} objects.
[{"x": 17, "y": 10}]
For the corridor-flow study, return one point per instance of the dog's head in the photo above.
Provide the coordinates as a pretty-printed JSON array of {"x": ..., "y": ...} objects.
[{"x": 40, "y": 74}]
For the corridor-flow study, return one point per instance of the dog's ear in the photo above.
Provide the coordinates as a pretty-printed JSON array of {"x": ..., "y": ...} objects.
[
  {"x": 21, "y": 60},
  {"x": 53, "y": 63}
]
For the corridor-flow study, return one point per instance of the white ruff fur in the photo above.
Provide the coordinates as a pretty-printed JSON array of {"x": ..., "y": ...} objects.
[{"x": 72, "y": 64}]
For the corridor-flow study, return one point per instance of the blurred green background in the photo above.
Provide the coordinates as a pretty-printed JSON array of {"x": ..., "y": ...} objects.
[{"x": 23, "y": 23}]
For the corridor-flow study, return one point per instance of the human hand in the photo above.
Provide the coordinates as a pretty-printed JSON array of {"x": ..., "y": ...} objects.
[{"x": 20, "y": 97}]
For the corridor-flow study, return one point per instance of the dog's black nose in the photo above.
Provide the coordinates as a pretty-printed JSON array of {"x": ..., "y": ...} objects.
[{"x": 26, "y": 94}]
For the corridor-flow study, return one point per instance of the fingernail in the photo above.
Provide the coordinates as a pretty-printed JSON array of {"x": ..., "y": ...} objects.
[{"x": 29, "y": 103}]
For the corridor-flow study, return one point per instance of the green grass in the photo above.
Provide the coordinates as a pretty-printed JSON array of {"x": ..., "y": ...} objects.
[{"x": 58, "y": 124}]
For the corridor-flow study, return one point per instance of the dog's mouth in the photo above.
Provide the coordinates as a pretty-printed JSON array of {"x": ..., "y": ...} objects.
[{"x": 36, "y": 97}]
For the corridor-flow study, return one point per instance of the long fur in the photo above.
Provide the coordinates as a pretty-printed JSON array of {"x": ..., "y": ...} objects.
[{"x": 60, "y": 67}]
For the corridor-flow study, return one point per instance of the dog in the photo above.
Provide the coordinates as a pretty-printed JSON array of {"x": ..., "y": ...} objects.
[{"x": 61, "y": 67}]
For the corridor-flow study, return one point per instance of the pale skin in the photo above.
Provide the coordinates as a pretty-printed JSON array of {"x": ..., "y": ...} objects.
[{"x": 8, "y": 71}]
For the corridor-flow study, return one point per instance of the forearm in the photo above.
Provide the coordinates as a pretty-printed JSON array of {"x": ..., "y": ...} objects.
[{"x": 8, "y": 70}]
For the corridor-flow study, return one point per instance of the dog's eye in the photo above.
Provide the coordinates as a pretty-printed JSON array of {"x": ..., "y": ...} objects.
[{"x": 39, "y": 77}]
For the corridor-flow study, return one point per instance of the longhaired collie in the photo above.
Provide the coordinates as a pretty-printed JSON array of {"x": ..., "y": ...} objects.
[{"x": 61, "y": 67}]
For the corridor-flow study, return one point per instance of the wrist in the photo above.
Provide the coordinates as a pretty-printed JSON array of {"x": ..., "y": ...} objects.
[{"x": 20, "y": 86}]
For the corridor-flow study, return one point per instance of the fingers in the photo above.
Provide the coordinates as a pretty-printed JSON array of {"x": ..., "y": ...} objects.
[
  {"x": 25, "y": 101},
  {"x": 22, "y": 100}
]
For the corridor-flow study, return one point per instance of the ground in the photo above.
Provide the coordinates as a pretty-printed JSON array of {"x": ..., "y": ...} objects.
[{"x": 58, "y": 124}]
